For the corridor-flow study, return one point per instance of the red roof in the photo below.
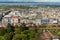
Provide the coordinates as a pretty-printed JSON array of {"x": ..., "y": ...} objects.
[{"x": 14, "y": 16}]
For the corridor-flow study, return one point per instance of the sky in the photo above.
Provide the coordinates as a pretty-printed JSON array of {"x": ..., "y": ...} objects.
[{"x": 32, "y": 0}]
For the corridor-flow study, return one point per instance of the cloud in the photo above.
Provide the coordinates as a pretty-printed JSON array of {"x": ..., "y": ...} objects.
[
  {"x": 19, "y": 0},
  {"x": 47, "y": 0},
  {"x": 33, "y": 0}
]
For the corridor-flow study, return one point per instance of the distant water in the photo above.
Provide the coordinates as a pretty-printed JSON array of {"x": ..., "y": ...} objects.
[{"x": 29, "y": 3}]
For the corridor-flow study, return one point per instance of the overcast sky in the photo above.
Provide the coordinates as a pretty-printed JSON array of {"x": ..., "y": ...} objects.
[{"x": 33, "y": 0}]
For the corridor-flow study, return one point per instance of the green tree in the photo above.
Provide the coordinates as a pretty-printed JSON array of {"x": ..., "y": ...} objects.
[
  {"x": 31, "y": 34},
  {"x": 24, "y": 26},
  {"x": 19, "y": 37},
  {"x": 18, "y": 29},
  {"x": 58, "y": 33},
  {"x": 2, "y": 38},
  {"x": 2, "y": 31},
  {"x": 8, "y": 36},
  {"x": 51, "y": 38},
  {"x": 9, "y": 28}
]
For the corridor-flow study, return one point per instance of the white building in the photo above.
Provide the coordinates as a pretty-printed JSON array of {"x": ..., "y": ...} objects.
[{"x": 12, "y": 17}]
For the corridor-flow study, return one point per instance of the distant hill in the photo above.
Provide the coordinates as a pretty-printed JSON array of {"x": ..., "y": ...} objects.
[{"x": 30, "y": 3}]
